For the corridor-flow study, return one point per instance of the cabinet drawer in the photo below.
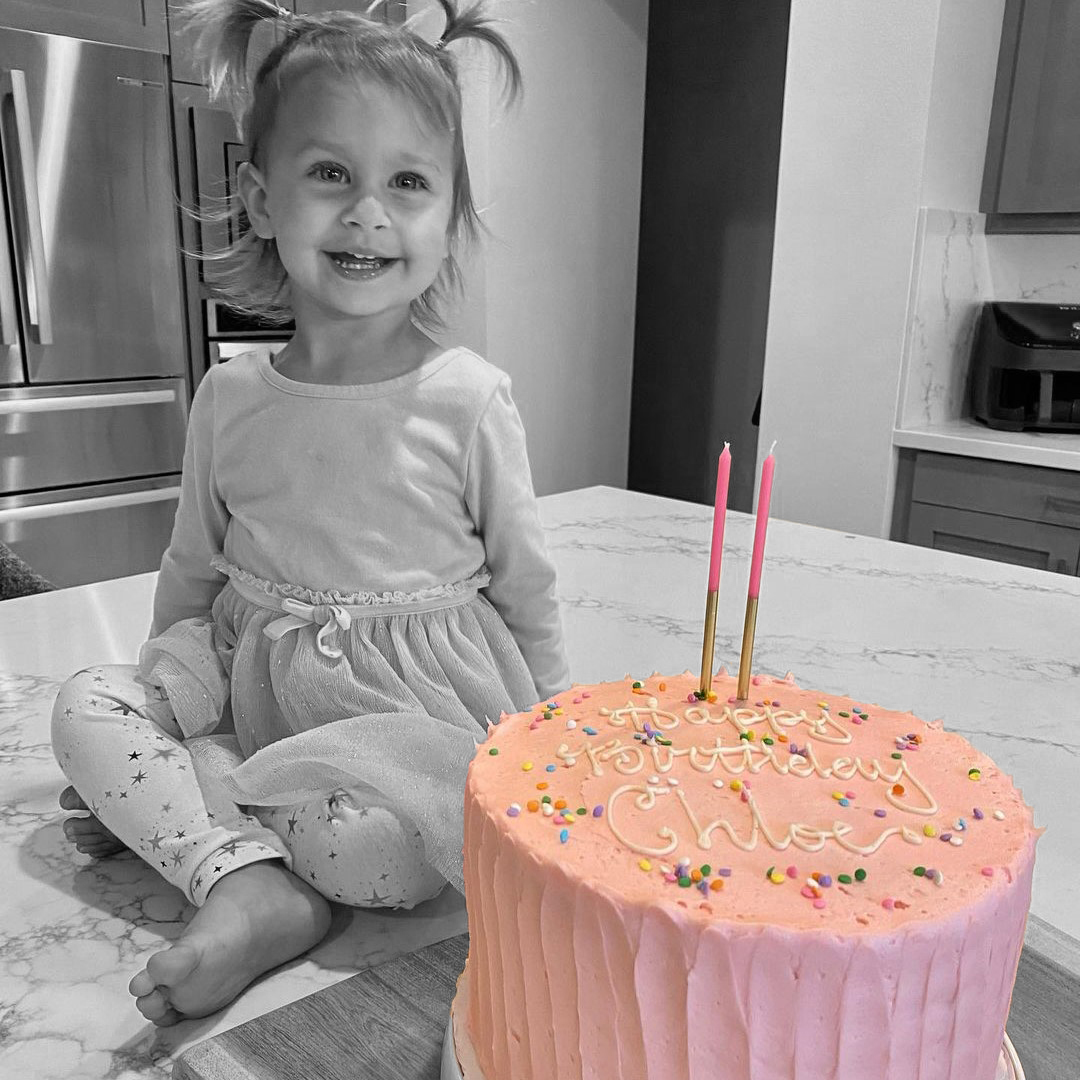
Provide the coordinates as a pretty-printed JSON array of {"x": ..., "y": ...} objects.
[
  {"x": 1027, "y": 492},
  {"x": 989, "y": 536},
  {"x": 90, "y": 433}
]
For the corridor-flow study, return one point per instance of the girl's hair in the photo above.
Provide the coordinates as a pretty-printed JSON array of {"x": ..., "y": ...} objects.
[{"x": 248, "y": 274}]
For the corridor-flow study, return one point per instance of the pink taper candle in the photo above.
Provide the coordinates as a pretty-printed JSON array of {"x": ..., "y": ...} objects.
[
  {"x": 764, "y": 495},
  {"x": 746, "y": 658},
  {"x": 723, "y": 475}
]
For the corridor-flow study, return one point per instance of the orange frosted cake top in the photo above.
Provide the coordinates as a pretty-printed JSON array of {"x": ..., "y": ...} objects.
[{"x": 792, "y": 808}]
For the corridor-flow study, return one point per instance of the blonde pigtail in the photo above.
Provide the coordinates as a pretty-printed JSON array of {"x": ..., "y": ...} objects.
[
  {"x": 477, "y": 24},
  {"x": 223, "y": 31}
]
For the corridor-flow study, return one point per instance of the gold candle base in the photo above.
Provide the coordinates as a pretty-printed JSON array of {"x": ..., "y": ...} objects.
[
  {"x": 747, "y": 655},
  {"x": 709, "y": 642}
]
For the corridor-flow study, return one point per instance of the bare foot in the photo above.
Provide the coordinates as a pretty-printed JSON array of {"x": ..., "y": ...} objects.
[
  {"x": 254, "y": 919},
  {"x": 87, "y": 833}
]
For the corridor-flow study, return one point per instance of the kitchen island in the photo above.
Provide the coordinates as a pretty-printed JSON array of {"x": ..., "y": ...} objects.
[{"x": 990, "y": 648}]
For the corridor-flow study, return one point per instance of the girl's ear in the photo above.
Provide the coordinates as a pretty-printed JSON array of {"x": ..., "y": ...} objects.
[{"x": 253, "y": 195}]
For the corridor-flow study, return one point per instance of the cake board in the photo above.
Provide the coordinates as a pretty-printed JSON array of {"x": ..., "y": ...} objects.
[{"x": 459, "y": 1058}]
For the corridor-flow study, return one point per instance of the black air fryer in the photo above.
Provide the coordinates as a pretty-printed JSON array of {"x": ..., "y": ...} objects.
[{"x": 1025, "y": 367}]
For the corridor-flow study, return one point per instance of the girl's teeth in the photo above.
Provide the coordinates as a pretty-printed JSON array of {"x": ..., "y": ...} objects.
[{"x": 359, "y": 263}]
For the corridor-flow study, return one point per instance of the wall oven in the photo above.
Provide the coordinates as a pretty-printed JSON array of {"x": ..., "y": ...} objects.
[{"x": 93, "y": 388}]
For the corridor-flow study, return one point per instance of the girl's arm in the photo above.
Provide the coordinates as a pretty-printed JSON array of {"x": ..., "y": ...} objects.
[
  {"x": 499, "y": 494},
  {"x": 186, "y": 585}
]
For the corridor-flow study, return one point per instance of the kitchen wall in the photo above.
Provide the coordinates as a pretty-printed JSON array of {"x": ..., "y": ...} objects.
[
  {"x": 551, "y": 297},
  {"x": 885, "y": 115}
]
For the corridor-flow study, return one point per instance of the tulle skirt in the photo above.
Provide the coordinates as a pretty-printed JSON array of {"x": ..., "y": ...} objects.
[{"x": 384, "y": 695}]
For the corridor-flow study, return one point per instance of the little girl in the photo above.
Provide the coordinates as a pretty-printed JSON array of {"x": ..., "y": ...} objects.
[{"x": 357, "y": 581}]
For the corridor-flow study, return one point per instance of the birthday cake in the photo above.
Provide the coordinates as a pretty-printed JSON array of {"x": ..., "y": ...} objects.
[{"x": 790, "y": 887}]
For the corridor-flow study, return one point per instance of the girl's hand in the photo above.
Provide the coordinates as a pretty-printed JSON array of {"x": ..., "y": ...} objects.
[{"x": 87, "y": 833}]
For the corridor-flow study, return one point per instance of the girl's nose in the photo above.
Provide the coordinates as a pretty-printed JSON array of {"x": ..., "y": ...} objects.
[{"x": 367, "y": 212}]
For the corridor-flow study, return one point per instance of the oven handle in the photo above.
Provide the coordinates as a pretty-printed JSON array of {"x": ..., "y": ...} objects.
[
  {"x": 85, "y": 506},
  {"x": 14, "y": 83},
  {"x": 19, "y": 405}
]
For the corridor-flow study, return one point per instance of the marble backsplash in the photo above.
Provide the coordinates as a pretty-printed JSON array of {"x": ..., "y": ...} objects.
[{"x": 956, "y": 267}]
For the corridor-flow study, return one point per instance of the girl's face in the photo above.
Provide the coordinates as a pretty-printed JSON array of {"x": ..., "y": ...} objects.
[{"x": 357, "y": 191}]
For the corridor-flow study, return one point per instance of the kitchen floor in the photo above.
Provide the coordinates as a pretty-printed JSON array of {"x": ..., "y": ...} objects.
[{"x": 73, "y": 930}]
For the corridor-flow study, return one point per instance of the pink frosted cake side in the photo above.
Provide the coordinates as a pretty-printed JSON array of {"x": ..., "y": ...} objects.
[{"x": 796, "y": 888}]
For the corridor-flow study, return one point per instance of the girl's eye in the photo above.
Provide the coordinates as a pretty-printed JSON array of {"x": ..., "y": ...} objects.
[
  {"x": 332, "y": 174},
  {"x": 410, "y": 182}
]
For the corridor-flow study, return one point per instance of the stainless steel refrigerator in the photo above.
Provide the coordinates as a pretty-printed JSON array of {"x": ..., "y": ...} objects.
[{"x": 93, "y": 364}]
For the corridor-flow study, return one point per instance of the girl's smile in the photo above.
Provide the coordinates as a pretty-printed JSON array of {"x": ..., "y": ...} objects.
[{"x": 356, "y": 190}]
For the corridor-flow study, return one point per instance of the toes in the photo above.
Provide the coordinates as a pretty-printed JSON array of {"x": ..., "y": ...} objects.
[
  {"x": 70, "y": 799},
  {"x": 141, "y": 984},
  {"x": 156, "y": 1008},
  {"x": 171, "y": 966}
]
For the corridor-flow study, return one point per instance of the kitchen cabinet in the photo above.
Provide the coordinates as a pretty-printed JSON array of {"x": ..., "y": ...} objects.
[
  {"x": 1033, "y": 155},
  {"x": 137, "y": 24},
  {"x": 1019, "y": 514},
  {"x": 185, "y": 69}
]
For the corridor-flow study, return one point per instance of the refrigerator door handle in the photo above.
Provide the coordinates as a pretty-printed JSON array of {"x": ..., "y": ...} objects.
[
  {"x": 19, "y": 406},
  {"x": 9, "y": 311},
  {"x": 37, "y": 285},
  {"x": 86, "y": 505}
]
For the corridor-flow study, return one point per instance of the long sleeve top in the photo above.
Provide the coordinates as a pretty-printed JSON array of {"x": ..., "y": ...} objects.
[{"x": 399, "y": 486}]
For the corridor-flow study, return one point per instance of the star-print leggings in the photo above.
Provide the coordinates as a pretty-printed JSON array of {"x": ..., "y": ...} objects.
[{"x": 117, "y": 742}]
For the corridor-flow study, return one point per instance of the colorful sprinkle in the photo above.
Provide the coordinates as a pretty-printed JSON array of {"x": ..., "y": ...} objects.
[
  {"x": 724, "y": 871},
  {"x": 543, "y": 785},
  {"x": 549, "y": 768},
  {"x": 589, "y": 730},
  {"x": 929, "y": 830},
  {"x": 919, "y": 871},
  {"x": 999, "y": 815},
  {"x": 597, "y": 811},
  {"x": 792, "y": 871},
  {"x": 645, "y": 865},
  {"x": 844, "y": 879},
  {"x": 879, "y": 812},
  {"x": 819, "y": 902},
  {"x": 716, "y": 884},
  {"x": 977, "y": 814},
  {"x": 493, "y": 751},
  {"x": 526, "y": 766},
  {"x": 888, "y": 903},
  {"x": 974, "y": 774},
  {"x": 898, "y": 789},
  {"x": 736, "y": 785},
  {"x": 513, "y": 810},
  {"x": 988, "y": 871},
  {"x": 533, "y": 805},
  {"x": 685, "y": 882},
  {"x": 860, "y": 874},
  {"x": 564, "y": 835}
]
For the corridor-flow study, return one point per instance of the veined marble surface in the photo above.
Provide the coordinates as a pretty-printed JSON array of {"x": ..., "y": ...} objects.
[
  {"x": 990, "y": 648},
  {"x": 956, "y": 268}
]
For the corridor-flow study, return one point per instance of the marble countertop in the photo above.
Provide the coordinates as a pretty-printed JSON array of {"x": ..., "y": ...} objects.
[
  {"x": 969, "y": 438},
  {"x": 988, "y": 647}
]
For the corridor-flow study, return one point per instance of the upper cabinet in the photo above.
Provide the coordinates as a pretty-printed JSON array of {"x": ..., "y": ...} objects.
[
  {"x": 1033, "y": 150},
  {"x": 184, "y": 67},
  {"x": 137, "y": 24}
]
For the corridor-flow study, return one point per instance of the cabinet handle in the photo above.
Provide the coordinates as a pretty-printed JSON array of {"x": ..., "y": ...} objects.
[
  {"x": 1058, "y": 505},
  {"x": 38, "y": 303}
]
